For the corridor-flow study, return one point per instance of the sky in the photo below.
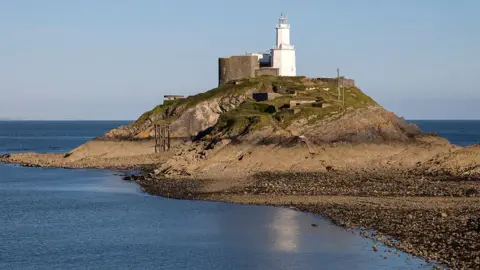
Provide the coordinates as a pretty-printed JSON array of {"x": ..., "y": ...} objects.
[{"x": 115, "y": 59}]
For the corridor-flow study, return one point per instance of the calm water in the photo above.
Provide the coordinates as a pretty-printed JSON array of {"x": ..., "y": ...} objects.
[
  {"x": 459, "y": 132},
  {"x": 78, "y": 219},
  {"x": 50, "y": 136}
]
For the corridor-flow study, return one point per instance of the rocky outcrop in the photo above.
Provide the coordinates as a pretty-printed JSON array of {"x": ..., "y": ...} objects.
[
  {"x": 185, "y": 122},
  {"x": 122, "y": 132},
  {"x": 372, "y": 124},
  {"x": 230, "y": 112},
  {"x": 203, "y": 116},
  {"x": 461, "y": 162},
  {"x": 224, "y": 131}
]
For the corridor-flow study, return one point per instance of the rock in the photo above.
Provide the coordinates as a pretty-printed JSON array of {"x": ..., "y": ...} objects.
[
  {"x": 203, "y": 116},
  {"x": 473, "y": 223},
  {"x": 314, "y": 225},
  {"x": 360, "y": 125},
  {"x": 28, "y": 165},
  {"x": 443, "y": 215},
  {"x": 187, "y": 121},
  {"x": 472, "y": 192},
  {"x": 120, "y": 133}
]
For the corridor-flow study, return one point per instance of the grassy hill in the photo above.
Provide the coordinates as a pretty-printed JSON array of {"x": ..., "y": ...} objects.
[{"x": 252, "y": 114}]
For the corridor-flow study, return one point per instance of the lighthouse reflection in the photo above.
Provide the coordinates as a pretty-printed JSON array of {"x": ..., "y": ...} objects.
[
  {"x": 285, "y": 229},
  {"x": 291, "y": 231}
]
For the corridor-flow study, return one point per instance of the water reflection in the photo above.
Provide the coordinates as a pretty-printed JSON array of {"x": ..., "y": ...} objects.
[
  {"x": 106, "y": 183},
  {"x": 100, "y": 219},
  {"x": 286, "y": 229}
]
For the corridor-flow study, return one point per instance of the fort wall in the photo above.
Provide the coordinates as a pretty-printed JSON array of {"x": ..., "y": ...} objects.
[
  {"x": 237, "y": 67},
  {"x": 266, "y": 71},
  {"x": 343, "y": 81}
]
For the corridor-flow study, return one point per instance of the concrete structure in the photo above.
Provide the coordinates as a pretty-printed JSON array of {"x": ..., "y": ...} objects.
[
  {"x": 279, "y": 61},
  {"x": 299, "y": 102},
  {"x": 264, "y": 96},
  {"x": 343, "y": 81},
  {"x": 173, "y": 97},
  {"x": 237, "y": 67},
  {"x": 266, "y": 71},
  {"x": 321, "y": 104},
  {"x": 260, "y": 96},
  {"x": 314, "y": 102},
  {"x": 285, "y": 91}
]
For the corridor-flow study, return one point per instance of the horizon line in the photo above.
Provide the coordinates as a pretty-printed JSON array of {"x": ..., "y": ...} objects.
[{"x": 126, "y": 120}]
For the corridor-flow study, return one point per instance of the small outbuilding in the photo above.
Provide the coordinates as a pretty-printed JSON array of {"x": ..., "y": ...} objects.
[
  {"x": 264, "y": 96},
  {"x": 284, "y": 91},
  {"x": 173, "y": 97},
  {"x": 314, "y": 102},
  {"x": 301, "y": 101}
]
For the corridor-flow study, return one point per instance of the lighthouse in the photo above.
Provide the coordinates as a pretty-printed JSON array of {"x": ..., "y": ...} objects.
[
  {"x": 283, "y": 53},
  {"x": 279, "y": 61}
]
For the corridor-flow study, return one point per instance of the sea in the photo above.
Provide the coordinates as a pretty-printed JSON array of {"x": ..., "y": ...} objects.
[{"x": 92, "y": 219}]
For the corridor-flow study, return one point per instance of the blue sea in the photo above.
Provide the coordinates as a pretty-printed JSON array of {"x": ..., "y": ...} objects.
[
  {"x": 458, "y": 132},
  {"x": 92, "y": 219}
]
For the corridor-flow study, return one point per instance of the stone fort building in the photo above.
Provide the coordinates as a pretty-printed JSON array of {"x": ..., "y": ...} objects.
[{"x": 279, "y": 61}]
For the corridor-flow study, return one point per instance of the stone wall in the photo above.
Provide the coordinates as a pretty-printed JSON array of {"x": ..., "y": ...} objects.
[
  {"x": 266, "y": 71},
  {"x": 296, "y": 102},
  {"x": 237, "y": 67},
  {"x": 346, "y": 82}
]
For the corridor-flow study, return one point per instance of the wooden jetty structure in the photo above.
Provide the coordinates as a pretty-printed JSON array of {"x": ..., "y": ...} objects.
[{"x": 162, "y": 138}]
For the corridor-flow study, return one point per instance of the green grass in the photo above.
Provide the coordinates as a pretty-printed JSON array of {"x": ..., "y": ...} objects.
[
  {"x": 358, "y": 99},
  {"x": 279, "y": 102},
  {"x": 169, "y": 102},
  {"x": 247, "y": 117},
  {"x": 256, "y": 114},
  {"x": 224, "y": 90},
  {"x": 286, "y": 118},
  {"x": 159, "y": 109}
]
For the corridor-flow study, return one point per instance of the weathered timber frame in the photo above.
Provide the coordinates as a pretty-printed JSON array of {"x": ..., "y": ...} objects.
[{"x": 162, "y": 138}]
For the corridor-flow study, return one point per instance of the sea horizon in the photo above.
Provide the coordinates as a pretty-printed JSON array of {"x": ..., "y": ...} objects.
[{"x": 129, "y": 120}]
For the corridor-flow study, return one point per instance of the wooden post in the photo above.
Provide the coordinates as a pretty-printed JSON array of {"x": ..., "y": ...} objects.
[
  {"x": 162, "y": 138},
  {"x": 164, "y": 134},
  {"x": 338, "y": 83},
  {"x": 155, "y": 138},
  {"x": 168, "y": 136}
]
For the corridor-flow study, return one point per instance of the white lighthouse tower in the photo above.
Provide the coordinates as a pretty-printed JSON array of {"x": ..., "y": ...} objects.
[{"x": 283, "y": 54}]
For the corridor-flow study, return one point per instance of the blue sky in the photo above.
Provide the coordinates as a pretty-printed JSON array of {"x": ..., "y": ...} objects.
[{"x": 114, "y": 59}]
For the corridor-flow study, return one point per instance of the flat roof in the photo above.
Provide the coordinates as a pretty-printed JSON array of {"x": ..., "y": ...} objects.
[{"x": 304, "y": 99}]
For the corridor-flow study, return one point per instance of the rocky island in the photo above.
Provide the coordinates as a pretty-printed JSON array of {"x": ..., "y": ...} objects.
[{"x": 291, "y": 141}]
